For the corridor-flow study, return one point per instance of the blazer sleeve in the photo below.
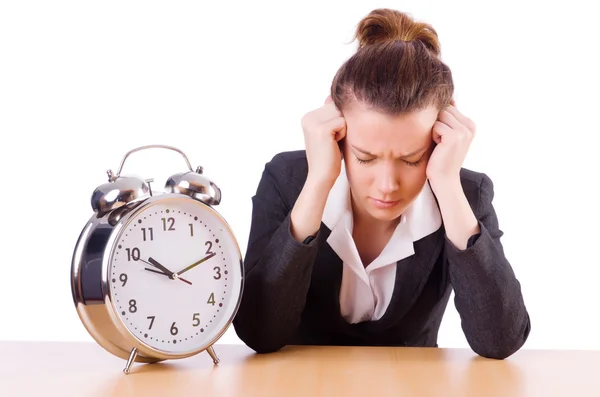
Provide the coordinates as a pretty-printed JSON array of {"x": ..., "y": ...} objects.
[
  {"x": 277, "y": 267},
  {"x": 488, "y": 296}
]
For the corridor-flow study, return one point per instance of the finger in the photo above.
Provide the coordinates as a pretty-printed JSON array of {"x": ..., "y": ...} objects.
[
  {"x": 448, "y": 118},
  {"x": 337, "y": 127},
  {"x": 330, "y": 112},
  {"x": 462, "y": 119},
  {"x": 440, "y": 130}
]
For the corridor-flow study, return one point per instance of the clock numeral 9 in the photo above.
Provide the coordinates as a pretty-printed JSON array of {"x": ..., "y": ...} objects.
[
  {"x": 123, "y": 278},
  {"x": 133, "y": 254},
  {"x": 211, "y": 299},
  {"x": 174, "y": 330},
  {"x": 196, "y": 319},
  {"x": 132, "y": 306},
  {"x": 150, "y": 233},
  {"x": 168, "y": 220}
]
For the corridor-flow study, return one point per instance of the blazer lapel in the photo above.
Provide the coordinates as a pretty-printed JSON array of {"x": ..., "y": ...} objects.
[{"x": 411, "y": 275}]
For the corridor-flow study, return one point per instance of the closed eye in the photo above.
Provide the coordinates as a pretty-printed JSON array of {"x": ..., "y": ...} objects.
[
  {"x": 361, "y": 161},
  {"x": 409, "y": 163},
  {"x": 413, "y": 163}
]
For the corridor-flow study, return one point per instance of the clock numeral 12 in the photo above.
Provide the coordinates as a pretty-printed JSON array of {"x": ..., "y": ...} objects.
[{"x": 167, "y": 220}]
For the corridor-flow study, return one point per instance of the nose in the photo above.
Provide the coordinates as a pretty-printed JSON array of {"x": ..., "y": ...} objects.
[{"x": 387, "y": 179}]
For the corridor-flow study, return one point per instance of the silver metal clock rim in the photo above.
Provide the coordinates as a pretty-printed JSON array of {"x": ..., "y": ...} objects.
[{"x": 147, "y": 353}]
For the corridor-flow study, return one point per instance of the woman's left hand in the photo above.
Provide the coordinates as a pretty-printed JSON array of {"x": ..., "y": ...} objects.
[{"x": 453, "y": 133}]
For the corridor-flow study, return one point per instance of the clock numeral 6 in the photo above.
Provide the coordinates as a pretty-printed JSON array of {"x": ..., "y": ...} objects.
[
  {"x": 196, "y": 319},
  {"x": 133, "y": 253},
  {"x": 174, "y": 330},
  {"x": 211, "y": 299}
]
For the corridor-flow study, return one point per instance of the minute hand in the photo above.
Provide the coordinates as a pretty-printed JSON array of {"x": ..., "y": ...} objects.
[{"x": 193, "y": 265}]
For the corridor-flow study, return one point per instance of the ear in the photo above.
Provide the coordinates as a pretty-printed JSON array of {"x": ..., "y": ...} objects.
[{"x": 452, "y": 102}]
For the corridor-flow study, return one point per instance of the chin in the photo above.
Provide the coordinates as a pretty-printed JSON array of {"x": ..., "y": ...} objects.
[{"x": 387, "y": 214}]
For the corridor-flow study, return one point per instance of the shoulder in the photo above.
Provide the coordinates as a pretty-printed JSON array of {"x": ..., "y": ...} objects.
[
  {"x": 289, "y": 163},
  {"x": 478, "y": 188},
  {"x": 287, "y": 171}
]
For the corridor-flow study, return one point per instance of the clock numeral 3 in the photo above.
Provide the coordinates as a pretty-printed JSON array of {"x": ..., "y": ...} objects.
[
  {"x": 196, "y": 319},
  {"x": 211, "y": 299},
  {"x": 174, "y": 330},
  {"x": 150, "y": 233},
  {"x": 170, "y": 221},
  {"x": 151, "y": 318},
  {"x": 132, "y": 306},
  {"x": 133, "y": 254},
  {"x": 218, "y": 270}
]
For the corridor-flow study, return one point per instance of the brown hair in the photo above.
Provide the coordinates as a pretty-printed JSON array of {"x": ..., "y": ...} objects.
[{"x": 396, "y": 68}]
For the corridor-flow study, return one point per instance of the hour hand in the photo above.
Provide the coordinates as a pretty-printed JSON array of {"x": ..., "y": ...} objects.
[
  {"x": 153, "y": 262},
  {"x": 163, "y": 270}
]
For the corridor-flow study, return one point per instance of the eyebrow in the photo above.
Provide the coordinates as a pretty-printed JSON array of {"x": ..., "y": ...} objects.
[{"x": 401, "y": 157}]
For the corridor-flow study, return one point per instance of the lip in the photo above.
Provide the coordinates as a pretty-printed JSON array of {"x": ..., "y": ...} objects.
[{"x": 384, "y": 204}]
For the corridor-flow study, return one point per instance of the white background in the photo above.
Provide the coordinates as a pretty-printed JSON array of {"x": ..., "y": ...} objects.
[{"x": 83, "y": 82}]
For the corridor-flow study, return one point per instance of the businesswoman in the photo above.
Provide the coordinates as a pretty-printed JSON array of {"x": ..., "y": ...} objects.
[{"x": 360, "y": 238}]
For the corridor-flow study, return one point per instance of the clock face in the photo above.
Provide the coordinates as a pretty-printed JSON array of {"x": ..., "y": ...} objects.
[{"x": 175, "y": 275}]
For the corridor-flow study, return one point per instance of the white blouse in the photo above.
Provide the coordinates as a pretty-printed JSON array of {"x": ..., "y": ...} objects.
[{"x": 366, "y": 291}]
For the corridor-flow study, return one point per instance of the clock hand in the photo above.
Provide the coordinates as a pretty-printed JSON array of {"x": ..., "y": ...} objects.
[
  {"x": 193, "y": 265},
  {"x": 153, "y": 262},
  {"x": 165, "y": 274}
]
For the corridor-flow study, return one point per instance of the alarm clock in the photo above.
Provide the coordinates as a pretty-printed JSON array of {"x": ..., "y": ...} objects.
[{"x": 156, "y": 275}]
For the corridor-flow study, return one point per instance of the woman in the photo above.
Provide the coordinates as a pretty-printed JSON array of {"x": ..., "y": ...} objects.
[{"x": 360, "y": 238}]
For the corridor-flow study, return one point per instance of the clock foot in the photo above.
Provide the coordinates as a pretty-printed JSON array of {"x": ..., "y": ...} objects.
[
  {"x": 213, "y": 355},
  {"x": 130, "y": 361}
]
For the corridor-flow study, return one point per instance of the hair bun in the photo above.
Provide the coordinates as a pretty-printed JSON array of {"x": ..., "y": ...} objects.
[{"x": 385, "y": 25}]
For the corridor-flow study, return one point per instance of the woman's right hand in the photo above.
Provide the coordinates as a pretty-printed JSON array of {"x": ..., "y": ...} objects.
[{"x": 323, "y": 129}]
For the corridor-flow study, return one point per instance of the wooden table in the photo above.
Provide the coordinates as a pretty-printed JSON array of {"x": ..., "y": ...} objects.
[{"x": 84, "y": 369}]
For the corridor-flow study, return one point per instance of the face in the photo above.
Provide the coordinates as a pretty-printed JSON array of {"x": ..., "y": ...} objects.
[
  {"x": 175, "y": 275},
  {"x": 386, "y": 159}
]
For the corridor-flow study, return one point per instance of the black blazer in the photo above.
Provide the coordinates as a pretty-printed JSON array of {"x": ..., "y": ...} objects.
[{"x": 291, "y": 291}]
